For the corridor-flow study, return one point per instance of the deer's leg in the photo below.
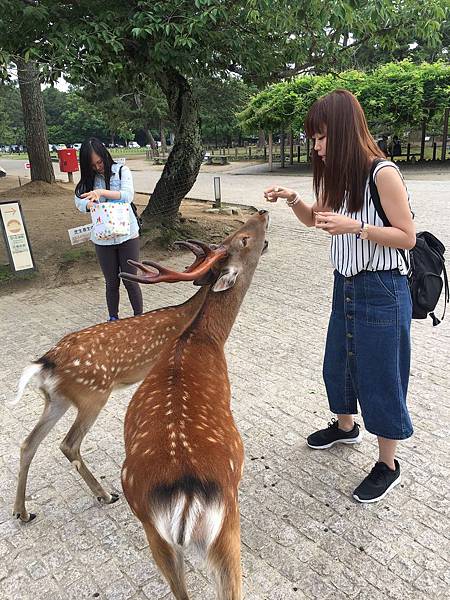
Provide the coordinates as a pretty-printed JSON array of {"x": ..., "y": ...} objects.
[
  {"x": 169, "y": 561},
  {"x": 224, "y": 559},
  {"x": 55, "y": 407},
  {"x": 70, "y": 447}
]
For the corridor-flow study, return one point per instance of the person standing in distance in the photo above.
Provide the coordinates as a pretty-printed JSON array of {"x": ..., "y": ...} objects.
[
  {"x": 367, "y": 354},
  {"x": 104, "y": 180}
]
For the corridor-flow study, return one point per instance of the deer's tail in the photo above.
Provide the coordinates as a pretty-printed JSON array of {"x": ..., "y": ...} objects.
[
  {"x": 188, "y": 512},
  {"x": 47, "y": 379}
]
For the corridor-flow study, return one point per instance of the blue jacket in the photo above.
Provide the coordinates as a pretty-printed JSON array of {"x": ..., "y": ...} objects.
[{"x": 124, "y": 184}]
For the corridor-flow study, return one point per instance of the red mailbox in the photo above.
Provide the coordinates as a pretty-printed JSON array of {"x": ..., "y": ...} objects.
[{"x": 68, "y": 162}]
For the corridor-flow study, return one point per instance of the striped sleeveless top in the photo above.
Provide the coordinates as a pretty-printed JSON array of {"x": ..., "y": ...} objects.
[{"x": 349, "y": 255}]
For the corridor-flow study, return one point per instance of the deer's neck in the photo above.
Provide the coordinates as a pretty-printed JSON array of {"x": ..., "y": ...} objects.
[
  {"x": 178, "y": 317},
  {"x": 219, "y": 311}
]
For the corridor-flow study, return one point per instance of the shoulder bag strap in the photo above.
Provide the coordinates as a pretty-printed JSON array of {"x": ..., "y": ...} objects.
[{"x": 377, "y": 203}]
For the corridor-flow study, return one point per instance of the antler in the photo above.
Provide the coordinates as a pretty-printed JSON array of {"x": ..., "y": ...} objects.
[{"x": 207, "y": 256}]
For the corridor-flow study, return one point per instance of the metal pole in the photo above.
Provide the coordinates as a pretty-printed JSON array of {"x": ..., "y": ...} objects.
[
  {"x": 270, "y": 151},
  {"x": 445, "y": 134},
  {"x": 217, "y": 193},
  {"x": 291, "y": 147}
]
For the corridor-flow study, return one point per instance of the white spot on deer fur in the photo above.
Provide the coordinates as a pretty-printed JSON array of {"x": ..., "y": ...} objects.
[
  {"x": 173, "y": 444},
  {"x": 231, "y": 465},
  {"x": 172, "y": 453},
  {"x": 103, "y": 368},
  {"x": 212, "y": 440},
  {"x": 76, "y": 362},
  {"x": 169, "y": 412}
]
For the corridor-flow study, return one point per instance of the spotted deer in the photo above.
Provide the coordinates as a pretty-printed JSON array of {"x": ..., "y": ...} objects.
[
  {"x": 84, "y": 367},
  {"x": 184, "y": 455}
]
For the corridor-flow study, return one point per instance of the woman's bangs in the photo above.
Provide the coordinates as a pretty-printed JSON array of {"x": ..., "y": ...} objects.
[{"x": 316, "y": 121}]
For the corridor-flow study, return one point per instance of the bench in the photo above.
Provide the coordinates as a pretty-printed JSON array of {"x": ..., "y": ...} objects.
[{"x": 219, "y": 159}]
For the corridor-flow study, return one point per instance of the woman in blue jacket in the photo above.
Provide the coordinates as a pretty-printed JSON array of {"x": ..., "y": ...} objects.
[{"x": 103, "y": 180}]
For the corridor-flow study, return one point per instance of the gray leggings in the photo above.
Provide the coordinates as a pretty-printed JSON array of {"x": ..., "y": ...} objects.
[{"x": 113, "y": 260}]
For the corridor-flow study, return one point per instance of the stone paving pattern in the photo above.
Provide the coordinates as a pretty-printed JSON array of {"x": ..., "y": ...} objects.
[{"x": 303, "y": 537}]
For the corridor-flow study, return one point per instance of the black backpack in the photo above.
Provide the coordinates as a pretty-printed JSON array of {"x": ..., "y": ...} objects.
[
  {"x": 426, "y": 271},
  {"x": 133, "y": 206}
]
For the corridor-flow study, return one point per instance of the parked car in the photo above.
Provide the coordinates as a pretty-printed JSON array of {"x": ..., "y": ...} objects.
[
  {"x": 77, "y": 145},
  {"x": 133, "y": 145},
  {"x": 61, "y": 146}
]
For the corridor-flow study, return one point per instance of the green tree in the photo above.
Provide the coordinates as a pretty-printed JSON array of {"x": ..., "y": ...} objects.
[
  {"x": 11, "y": 120},
  {"x": 395, "y": 97},
  {"x": 220, "y": 100},
  {"x": 173, "y": 41}
]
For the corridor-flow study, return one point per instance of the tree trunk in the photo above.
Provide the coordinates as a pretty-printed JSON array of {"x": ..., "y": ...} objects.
[
  {"x": 151, "y": 139},
  {"x": 34, "y": 121},
  {"x": 261, "y": 138},
  {"x": 185, "y": 159},
  {"x": 162, "y": 135},
  {"x": 422, "y": 140}
]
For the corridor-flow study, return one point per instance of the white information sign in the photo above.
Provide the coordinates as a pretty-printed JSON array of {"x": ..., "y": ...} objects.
[
  {"x": 80, "y": 234},
  {"x": 16, "y": 237}
]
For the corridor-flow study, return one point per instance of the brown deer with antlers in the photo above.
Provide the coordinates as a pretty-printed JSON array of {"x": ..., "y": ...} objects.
[
  {"x": 83, "y": 369},
  {"x": 184, "y": 455}
]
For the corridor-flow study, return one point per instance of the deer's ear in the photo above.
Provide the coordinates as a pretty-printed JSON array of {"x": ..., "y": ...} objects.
[{"x": 226, "y": 280}]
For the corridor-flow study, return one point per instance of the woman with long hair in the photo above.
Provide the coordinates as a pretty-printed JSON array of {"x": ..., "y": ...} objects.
[
  {"x": 367, "y": 354},
  {"x": 104, "y": 180}
]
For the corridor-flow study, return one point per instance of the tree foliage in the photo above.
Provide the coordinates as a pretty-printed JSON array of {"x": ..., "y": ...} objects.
[
  {"x": 174, "y": 42},
  {"x": 395, "y": 97}
]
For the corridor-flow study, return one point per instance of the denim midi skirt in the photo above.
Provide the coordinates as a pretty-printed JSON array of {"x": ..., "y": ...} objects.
[{"x": 367, "y": 354}]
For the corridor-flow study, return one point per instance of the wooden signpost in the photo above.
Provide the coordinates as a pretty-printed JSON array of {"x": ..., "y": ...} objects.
[{"x": 16, "y": 237}]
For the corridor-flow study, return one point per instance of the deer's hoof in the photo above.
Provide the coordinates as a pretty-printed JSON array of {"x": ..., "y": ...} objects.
[
  {"x": 113, "y": 497},
  {"x": 24, "y": 517}
]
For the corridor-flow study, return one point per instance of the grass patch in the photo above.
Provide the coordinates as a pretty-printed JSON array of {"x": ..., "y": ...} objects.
[
  {"x": 74, "y": 255},
  {"x": 7, "y": 275}
]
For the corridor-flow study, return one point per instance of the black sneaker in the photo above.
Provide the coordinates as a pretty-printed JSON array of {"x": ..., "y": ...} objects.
[
  {"x": 378, "y": 483},
  {"x": 326, "y": 438}
]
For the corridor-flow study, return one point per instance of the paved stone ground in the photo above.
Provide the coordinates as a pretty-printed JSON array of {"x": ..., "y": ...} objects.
[{"x": 302, "y": 535}]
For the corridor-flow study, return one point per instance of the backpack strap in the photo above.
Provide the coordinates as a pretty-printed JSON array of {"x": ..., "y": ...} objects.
[
  {"x": 120, "y": 172},
  {"x": 377, "y": 203}
]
